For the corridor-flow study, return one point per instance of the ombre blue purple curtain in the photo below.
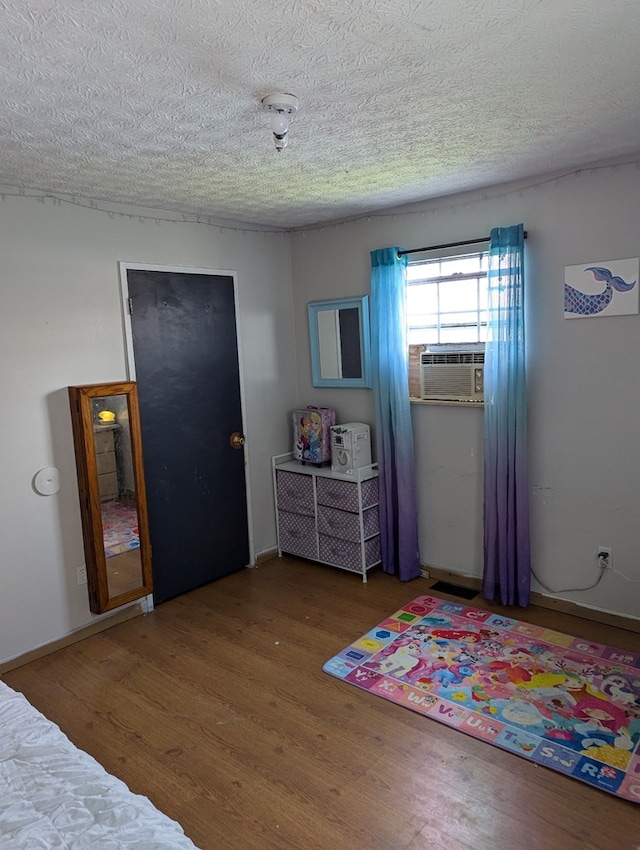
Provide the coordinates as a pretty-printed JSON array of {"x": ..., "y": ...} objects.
[
  {"x": 507, "y": 560},
  {"x": 394, "y": 432}
]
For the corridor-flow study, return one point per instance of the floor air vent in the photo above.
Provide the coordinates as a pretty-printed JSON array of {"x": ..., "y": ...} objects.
[{"x": 454, "y": 590}]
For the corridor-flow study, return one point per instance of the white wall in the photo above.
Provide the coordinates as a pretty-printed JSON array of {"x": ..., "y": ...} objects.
[
  {"x": 584, "y": 378},
  {"x": 61, "y": 324}
]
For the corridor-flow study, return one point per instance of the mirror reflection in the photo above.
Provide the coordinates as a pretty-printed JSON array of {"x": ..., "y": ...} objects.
[
  {"x": 339, "y": 338},
  {"x": 113, "y": 508},
  {"x": 339, "y": 343},
  {"x": 117, "y": 489}
]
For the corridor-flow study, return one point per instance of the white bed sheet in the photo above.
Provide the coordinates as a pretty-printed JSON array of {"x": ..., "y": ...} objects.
[{"x": 54, "y": 796}]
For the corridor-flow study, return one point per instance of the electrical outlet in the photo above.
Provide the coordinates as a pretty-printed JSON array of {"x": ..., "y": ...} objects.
[
  {"x": 81, "y": 574},
  {"x": 605, "y": 557}
]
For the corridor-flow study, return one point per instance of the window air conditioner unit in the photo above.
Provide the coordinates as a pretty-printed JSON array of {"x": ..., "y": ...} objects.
[{"x": 452, "y": 376}]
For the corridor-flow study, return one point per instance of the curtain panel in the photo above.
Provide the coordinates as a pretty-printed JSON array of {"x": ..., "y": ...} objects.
[
  {"x": 394, "y": 432},
  {"x": 507, "y": 561}
]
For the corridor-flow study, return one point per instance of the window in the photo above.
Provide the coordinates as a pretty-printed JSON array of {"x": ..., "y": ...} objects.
[
  {"x": 447, "y": 326},
  {"x": 447, "y": 300}
]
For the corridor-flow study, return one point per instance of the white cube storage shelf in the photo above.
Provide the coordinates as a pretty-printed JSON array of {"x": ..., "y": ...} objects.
[{"x": 330, "y": 517}]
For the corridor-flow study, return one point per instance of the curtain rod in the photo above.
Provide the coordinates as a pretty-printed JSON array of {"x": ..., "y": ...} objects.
[{"x": 449, "y": 245}]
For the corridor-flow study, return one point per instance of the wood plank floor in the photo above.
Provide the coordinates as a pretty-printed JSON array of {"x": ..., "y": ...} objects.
[{"x": 216, "y": 708}]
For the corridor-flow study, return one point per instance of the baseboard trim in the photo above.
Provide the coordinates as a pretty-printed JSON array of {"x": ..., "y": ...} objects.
[
  {"x": 542, "y": 601},
  {"x": 265, "y": 556},
  {"x": 80, "y": 634}
]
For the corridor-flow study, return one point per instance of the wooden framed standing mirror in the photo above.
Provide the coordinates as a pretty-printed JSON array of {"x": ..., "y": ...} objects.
[{"x": 113, "y": 505}]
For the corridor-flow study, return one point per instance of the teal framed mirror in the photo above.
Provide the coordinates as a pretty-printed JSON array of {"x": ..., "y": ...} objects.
[{"x": 339, "y": 336}]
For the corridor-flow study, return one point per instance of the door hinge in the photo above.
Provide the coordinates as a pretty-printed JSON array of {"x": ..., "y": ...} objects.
[{"x": 130, "y": 300}]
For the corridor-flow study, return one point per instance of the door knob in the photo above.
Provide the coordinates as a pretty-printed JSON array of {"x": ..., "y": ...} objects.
[{"x": 236, "y": 440}]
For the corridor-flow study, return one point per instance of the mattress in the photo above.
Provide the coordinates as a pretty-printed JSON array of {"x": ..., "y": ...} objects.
[{"x": 53, "y": 795}]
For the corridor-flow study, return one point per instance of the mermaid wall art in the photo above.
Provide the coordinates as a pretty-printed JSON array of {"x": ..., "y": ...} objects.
[{"x": 608, "y": 288}]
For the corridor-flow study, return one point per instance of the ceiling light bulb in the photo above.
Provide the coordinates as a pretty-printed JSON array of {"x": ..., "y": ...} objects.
[
  {"x": 279, "y": 123},
  {"x": 281, "y": 106}
]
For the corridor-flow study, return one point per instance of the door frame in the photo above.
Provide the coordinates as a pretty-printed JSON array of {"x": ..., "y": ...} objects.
[{"x": 123, "y": 267}]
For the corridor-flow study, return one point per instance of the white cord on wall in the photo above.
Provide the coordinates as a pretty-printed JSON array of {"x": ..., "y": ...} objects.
[{"x": 604, "y": 568}]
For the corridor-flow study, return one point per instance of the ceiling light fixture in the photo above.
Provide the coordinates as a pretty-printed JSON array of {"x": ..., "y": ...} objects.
[{"x": 281, "y": 106}]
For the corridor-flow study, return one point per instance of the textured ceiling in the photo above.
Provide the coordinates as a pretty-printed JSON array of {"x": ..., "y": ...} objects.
[{"x": 157, "y": 102}]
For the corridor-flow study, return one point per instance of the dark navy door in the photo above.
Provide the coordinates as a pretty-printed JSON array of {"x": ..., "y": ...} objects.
[{"x": 186, "y": 366}]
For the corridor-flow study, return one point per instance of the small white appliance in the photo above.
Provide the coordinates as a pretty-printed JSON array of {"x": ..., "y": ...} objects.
[{"x": 350, "y": 447}]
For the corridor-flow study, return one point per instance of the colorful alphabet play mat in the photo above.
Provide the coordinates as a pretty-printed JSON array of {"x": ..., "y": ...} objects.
[
  {"x": 119, "y": 528},
  {"x": 561, "y": 701}
]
